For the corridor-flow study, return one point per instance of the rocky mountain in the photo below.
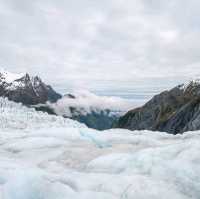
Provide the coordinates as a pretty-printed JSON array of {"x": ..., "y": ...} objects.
[
  {"x": 26, "y": 89},
  {"x": 174, "y": 111}
]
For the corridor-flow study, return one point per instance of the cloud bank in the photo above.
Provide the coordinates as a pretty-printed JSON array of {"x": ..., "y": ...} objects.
[
  {"x": 82, "y": 42},
  {"x": 86, "y": 102}
]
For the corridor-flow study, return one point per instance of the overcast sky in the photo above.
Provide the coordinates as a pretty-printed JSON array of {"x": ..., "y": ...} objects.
[{"x": 86, "y": 42}]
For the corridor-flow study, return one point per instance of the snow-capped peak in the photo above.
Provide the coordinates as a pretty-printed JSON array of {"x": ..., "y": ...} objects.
[
  {"x": 26, "y": 89},
  {"x": 191, "y": 82},
  {"x": 9, "y": 77}
]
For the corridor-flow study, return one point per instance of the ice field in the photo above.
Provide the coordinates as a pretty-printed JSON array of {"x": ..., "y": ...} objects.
[{"x": 48, "y": 157}]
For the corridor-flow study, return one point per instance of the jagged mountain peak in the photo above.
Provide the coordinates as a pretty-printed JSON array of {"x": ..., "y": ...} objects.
[
  {"x": 25, "y": 88},
  {"x": 9, "y": 77}
]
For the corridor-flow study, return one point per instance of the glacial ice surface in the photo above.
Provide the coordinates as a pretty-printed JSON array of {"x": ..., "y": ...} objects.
[
  {"x": 16, "y": 116},
  {"x": 66, "y": 160}
]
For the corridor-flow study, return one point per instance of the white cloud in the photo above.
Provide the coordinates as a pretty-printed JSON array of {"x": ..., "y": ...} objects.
[{"x": 86, "y": 102}]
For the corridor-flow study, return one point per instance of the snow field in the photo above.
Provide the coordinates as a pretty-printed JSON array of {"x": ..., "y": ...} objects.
[
  {"x": 49, "y": 157},
  {"x": 60, "y": 163}
]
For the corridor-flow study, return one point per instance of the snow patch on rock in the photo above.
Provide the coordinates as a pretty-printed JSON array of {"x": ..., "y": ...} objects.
[{"x": 9, "y": 77}]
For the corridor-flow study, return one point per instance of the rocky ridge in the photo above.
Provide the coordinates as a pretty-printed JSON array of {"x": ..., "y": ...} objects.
[{"x": 174, "y": 111}]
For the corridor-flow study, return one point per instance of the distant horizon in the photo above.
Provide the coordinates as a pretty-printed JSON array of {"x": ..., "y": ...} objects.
[{"x": 139, "y": 89}]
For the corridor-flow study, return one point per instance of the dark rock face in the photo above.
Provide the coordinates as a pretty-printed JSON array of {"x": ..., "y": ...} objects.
[
  {"x": 70, "y": 96},
  {"x": 27, "y": 90},
  {"x": 174, "y": 111},
  {"x": 187, "y": 118},
  {"x": 44, "y": 108}
]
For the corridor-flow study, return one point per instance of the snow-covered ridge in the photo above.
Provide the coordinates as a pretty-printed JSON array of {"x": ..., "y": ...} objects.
[
  {"x": 13, "y": 81},
  {"x": 9, "y": 77},
  {"x": 191, "y": 82},
  {"x": 16, "y": 116}
]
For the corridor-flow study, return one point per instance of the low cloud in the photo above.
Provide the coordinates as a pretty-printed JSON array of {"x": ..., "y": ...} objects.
[{"x": 86, "y": 102}]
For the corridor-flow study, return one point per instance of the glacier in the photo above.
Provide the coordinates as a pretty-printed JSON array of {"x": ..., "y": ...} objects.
[
  {"x": 16, "y": 116},
  {"x": 49, "y": 157}
]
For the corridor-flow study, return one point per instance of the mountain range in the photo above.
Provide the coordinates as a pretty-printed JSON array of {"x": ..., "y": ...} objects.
[
  {"x": 33, "y": 92},
  {"x": 173, "y": 111}
]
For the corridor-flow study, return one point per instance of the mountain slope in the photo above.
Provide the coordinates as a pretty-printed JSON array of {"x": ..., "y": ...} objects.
[
  {"x": 174, "y": 111},
  {"x": 26, "y": 89}
]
